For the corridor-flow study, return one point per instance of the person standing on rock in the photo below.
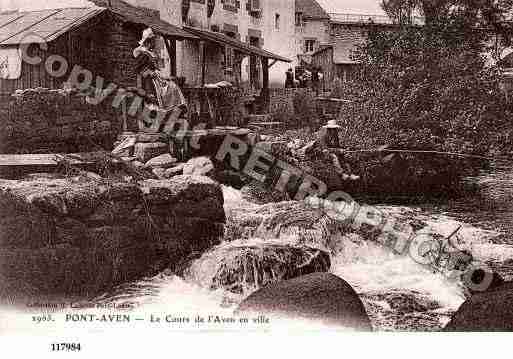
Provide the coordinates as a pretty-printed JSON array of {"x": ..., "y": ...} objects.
[{"x": 150, "y": 79}]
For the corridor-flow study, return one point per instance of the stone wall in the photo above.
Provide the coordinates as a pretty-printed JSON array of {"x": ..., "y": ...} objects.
[
  {"x": 118, "y": 44},
  {"x": 295, "y": 107},
  {"x": 311, "y": 29},
  {"x": 324, "y": 60},
  {"x": 81, "y": 236},
  {"x": 49, "y": 121}
]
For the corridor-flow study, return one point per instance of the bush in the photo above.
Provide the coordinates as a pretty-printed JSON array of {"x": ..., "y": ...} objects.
[{"x": 425, "y": 89}]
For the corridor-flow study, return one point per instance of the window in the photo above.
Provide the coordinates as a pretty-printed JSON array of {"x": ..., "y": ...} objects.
[
  {"x": 254, "y": 5},
  {"x": 309, "y": 45},
  {"x": 299, "y": 18},
  {"x": 228, "y": 57},
  {"x": 277, "y": 21},
  {"x": 232, "y": 3}
]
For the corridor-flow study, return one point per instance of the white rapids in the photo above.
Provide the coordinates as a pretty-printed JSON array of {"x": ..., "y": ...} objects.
[{"x": 398, "y": 293}]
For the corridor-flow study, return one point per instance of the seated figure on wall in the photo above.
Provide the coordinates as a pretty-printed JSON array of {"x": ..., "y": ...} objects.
[{"x": 168, "y": 96}]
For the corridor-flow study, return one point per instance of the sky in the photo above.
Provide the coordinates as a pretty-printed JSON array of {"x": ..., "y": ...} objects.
[
  {"x": 369, "y": 7},
  {"x": 348, "y": 6},
  {"x": 40, "y": 4}
]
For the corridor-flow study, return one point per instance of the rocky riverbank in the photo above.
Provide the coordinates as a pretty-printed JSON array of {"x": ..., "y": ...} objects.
[{"x": 82, "y": 235}]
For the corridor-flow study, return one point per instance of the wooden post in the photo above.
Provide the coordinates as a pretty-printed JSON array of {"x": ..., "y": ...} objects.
[
  {"x": 265, "y": 84},
  {"x": 171, "y": 50},
  {"x": 202, "y": 61}
]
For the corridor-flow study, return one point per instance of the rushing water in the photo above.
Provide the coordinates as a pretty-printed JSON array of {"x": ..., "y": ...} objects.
[{"x": 398, "y": 293}]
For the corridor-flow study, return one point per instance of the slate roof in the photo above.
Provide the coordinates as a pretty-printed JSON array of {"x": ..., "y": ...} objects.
[
  {"x": 145, "y": 17},
  {"x": 311, "y": 10},
  {"x": 241, "y": 46},
  {"x": 48, "y": 25}
]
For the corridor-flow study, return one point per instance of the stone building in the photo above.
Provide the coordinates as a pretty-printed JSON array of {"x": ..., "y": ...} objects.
[
  {"x": 337, "y": 58},
  {"x": 346, "y": 33},
  {"x": 96, "y": 38},
  {"x": 268, "y": 25},
  {"x": 41, "y": 117},
  {"x": 312, "y": 25}
]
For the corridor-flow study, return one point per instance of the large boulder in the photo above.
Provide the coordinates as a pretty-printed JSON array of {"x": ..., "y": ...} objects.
[
  {"x": 79, "y": 235},
  {"x": 320, "y": 297},
  {"x": 294, "y": 223},
  {"x": 242, "y": 267},
  {"x": 489, "y": 311}
]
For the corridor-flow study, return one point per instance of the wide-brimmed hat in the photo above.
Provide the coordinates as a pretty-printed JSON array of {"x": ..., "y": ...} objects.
[
  {"x": 332, "y": 124},
  {"x": 147, "y": 34}
]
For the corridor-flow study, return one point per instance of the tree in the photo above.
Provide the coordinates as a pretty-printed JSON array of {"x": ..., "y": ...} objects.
[
  {"x": 427, "y": 88},
  {"x": 486, "y": 13}
]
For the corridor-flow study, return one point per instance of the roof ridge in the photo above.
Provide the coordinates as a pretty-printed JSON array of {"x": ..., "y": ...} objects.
[
  {"x": 311, "y": 9},
  {"x": 95, "y": 10},
  {"x": 31, "y": 25}
]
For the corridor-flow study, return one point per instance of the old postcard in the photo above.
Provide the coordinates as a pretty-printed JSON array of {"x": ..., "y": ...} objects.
[{"x": 175, "y": 168}]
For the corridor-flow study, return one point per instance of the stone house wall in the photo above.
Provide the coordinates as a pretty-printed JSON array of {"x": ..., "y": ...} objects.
[
  {"x": 310, "y": 29},
  {"x": 324, "y": 60},
  {"x": 237, "y": 20},
  {"x": 52, "y": 121},
  {"x": 295, "y": 107},
  {"x": 317, "y": 30},
  {"x": 279, "y": 40},
  {"x": 103, "y": 46}
]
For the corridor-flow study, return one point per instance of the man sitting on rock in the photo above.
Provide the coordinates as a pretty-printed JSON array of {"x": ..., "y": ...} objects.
[{"x": 327, "y": 147}]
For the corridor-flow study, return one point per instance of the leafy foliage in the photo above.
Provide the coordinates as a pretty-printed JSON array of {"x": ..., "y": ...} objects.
[{"x": 427, "y": 88}]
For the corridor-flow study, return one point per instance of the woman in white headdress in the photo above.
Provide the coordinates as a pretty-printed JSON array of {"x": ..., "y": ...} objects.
[{"x": 167, "y": 93}]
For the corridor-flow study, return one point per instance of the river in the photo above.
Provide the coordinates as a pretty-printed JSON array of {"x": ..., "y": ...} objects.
[{"x": 398, "y": 293}]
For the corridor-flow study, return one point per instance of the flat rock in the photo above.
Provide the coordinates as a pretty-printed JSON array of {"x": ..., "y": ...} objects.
[
  {"x": 244, "y": 267},
  {"x": 125, "y": 147},
  {"x": 89, "y": 236},
  {"x": 162, "y": 161},
  {"x": 186, "y": 196},
  {"x": 138, "y": 164},
  {"x": 319, "y": 297},
  {"x": 128, "y": 158},
  {"x": 146, "y": 151},
  {"x": 43, "y": 175},
  {"x": 159, "y": 172},
  {"x": 151, "y": 137},
  {"x": 200, "y": 166},
  {"x": 174, "y": 171},
  {"x": 291, "y": 222}
]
